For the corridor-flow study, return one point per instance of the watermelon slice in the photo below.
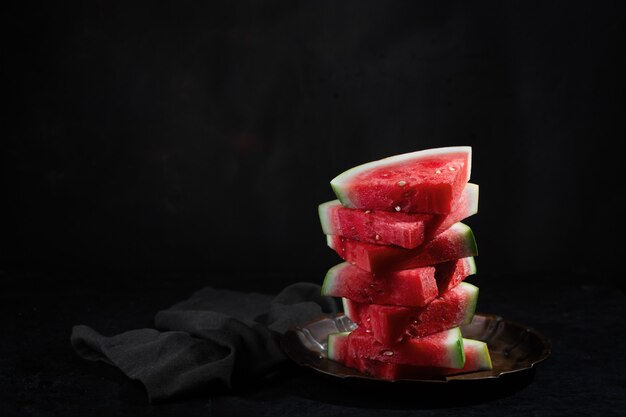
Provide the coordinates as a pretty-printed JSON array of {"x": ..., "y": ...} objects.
[
  {"x": 477, "y": 358},
  {"x": 411, "y": 287},
  {"x": 456, "y": 242},
  {"x": 426, "y": 181},
  {"x": 443, "y": 350},
  {"x": 387, "y": 228},
  {"x": 390, "y": 324}
]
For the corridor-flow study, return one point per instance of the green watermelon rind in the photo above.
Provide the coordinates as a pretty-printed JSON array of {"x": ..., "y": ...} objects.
[
  {"x": 330, "y": 279},
  {"x": 458, "y": 360},
  {"x": 332, "y": 341},
  {"x": 483, "y": 349},
  {"x": 469, "y": 238},
  {"x": 472, "y": 293},
  {"x": 323, "y": 211},
  {"x": 338, "y": 182}
]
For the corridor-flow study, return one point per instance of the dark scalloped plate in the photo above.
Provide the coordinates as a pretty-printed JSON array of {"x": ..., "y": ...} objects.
[{"x": 513, "y": 347}]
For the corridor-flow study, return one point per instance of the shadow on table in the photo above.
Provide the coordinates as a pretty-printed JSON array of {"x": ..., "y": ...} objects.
[
  {"x": 397, "y": 395},
  {"x": 293, "y": 385}
]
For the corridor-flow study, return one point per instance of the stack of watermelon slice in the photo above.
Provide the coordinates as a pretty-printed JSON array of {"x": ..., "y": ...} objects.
[{"x": 397, "y": 225}]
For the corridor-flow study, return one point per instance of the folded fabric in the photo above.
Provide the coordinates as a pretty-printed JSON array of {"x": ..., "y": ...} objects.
[{"x": 216, "y": 339}]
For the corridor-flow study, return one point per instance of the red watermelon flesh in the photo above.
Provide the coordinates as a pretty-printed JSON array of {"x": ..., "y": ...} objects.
[
  {"x": 449, "y": 274},
  {"x": 456, "y": 242},
  {"x": 374, "y": 226},
  {"x": 477, "y": 358},
  {"x": 444, "y": 349},
  {"x": 411, "y": 287},
  {"x": 426, "y": 181},
  {"x": 387, "y": 228},
  {"x": 391, "y": 324}
]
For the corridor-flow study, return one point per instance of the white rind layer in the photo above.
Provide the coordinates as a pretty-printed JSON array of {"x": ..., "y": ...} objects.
[
  {"x": 471, "y": 265},
  {"x": 472, "y": 191},
  {"x": 323, "y": 212},
  {"x": 346, "y": 308},
  {"x": 460, "y": 228}
]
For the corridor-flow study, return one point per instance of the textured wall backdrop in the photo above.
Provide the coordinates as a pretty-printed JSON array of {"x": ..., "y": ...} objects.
[{"x": 203, "y": 136}]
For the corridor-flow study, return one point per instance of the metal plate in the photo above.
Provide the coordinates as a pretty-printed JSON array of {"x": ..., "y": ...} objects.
[{"x": 513, "y": 347}]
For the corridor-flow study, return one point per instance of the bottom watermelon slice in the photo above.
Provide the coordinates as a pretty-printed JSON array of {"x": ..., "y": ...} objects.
[
  {"x": 477, "y": 358},
  {"x": 390, "y": 324},
  {"x": 441, "y": 350}
]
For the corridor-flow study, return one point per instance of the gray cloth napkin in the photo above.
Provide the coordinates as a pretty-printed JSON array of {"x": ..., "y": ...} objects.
[{"x": 217, "y": 339}]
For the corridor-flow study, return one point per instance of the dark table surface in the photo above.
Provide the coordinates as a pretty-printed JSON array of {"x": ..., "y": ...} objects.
[{"x": 582, "y": 314}]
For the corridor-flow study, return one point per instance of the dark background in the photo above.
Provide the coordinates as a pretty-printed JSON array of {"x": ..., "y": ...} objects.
[
  {"x": 151, "y": 149},
  {"x": 201, "y": 137}
]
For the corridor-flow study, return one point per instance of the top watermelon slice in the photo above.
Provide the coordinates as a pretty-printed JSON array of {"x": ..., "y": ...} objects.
[{"x": 426, "y": 181}]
